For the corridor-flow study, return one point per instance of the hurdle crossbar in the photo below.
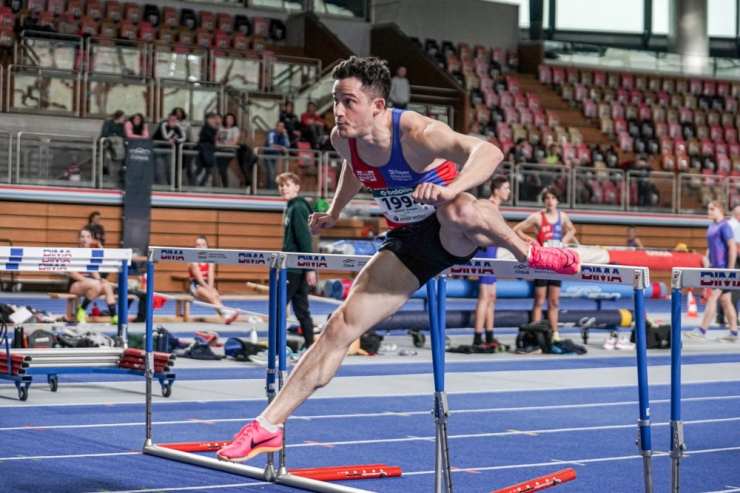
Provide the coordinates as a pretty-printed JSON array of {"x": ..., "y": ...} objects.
[
  {"x": 61, "y": 260},
  {"x": 637, "y": 277},
  {"x": 726, "y": 279}
]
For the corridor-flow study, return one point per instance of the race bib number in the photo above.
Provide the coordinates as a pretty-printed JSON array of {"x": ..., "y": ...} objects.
[
  {"x": 397, "y": 205},
  {"x": 553, "y": 243}
]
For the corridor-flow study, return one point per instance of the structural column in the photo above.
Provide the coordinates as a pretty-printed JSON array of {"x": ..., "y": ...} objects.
[{"x": 687, "y": 33}]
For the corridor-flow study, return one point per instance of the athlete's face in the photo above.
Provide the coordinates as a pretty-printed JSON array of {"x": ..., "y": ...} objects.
[
  {"x": 551, "y": 202},
  {"x": 86, "y": 239},
  {"x": 354, "y": 108},
  {"x": 503, "y": 192},
  {"x": 201, "y": 243}
]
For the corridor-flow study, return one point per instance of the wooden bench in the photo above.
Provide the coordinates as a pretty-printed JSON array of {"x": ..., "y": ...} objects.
[{"x": 73, "y": 300}]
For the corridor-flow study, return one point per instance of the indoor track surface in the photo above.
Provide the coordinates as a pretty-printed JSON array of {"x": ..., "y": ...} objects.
[{"x": 513, "y": 418}]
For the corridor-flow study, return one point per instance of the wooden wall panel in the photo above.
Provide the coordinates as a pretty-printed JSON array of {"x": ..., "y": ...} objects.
[{"x": 30, "y": 224}]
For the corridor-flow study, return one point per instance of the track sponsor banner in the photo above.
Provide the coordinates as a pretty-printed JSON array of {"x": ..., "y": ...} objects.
[
  {"x": 207, "y": 256},
  {"x": 91, "y": 255},
  {"x": 39, "y": 267},
  {"x": 318, "y": 261},
  {"x": 725, "y": 279}
]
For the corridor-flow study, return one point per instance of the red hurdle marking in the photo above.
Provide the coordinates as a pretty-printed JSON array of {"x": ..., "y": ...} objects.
[
  {"x": 344, "y": 473},
  {"x": 196, "y": 446},
  {"x": 541, "y": 483}
]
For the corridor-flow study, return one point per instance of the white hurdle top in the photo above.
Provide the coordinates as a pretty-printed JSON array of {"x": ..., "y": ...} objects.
[
  {"x": 212, "y": 256},
  {"x": 60, "y": 259},
  {"x": 725, "y": 279},
  {"x": 637, "y": 277}
]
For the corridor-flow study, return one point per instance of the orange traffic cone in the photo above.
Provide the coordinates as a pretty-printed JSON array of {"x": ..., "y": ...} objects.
[{"x": 693, "y": 311}]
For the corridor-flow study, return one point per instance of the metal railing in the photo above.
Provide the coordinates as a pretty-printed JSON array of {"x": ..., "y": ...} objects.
[
  {"x": 107, "y": 92},
  {"x": 197, "y": 98},
  {"x": 8, "y": 163},
  {"x": 69, "y": 150},
  {"x": 43, "y": 90}
]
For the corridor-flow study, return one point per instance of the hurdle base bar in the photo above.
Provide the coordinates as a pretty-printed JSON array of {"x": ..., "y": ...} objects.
[
  {"x": 541, "y": 483},
  {"x": 207, "y": 462},
  {"x": 443, "y": 473},
  {"x": 647, "y": 455},
  {"x": 677, "y": 448},
  {"x": 345, "y": 473}
]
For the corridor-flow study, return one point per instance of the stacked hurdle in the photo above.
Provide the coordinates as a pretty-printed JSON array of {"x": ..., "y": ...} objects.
[
  {"x": 637, "y": 277},
  {"x": 51, "y": 362}
]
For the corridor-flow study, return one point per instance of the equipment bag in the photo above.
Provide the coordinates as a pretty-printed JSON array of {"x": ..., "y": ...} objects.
[
  {"x": 241, "y": 348},
  {"x": 370, "y": 341},
  {"x": 165, "y": 342},
  {"x": 657, "y": 336},
  {"x": 199, "y": 350},
  {"x": 536, "y": 334},
  {"x": 40, "y": 339}
]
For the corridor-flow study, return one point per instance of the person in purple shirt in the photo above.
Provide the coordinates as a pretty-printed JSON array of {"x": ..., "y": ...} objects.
[{"x": 722, "y": 254}]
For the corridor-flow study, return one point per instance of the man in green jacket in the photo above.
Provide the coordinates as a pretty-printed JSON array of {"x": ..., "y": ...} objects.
[{"x": 297, "y": 238}]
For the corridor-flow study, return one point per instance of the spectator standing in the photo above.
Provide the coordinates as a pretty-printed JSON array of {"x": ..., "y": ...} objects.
[
  {"x": 297, "y": 238},
  {"x": 278, "y": 143},
  {"x": 206, "y": 150},
  {"x": 187, "y": 162},
  {"x": 115, "y": 135},
  {"x": 313, "y": 126},
  {"x": 552, "y": 228},
  {"x": 292, "y": 124},
  {"x": 171, "y": 132},
  {"x": 400, "y": 89},
  {"x": 135, "y": 127},
  {"x": 228, "y": 135},
  {"x": 484, "y": 310},
  {"x": 722, "y": 254}
]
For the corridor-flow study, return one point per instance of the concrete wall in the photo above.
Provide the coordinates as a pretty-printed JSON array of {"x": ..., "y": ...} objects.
[
  {"x": 462, "y": 21},
  {"x": 355, "y": 34}
]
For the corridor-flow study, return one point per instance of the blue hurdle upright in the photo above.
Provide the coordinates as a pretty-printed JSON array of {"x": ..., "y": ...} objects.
[{"x": 687, "y": 278}]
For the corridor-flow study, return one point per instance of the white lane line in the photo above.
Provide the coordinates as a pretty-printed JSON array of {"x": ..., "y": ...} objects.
[
  {"x": 510, "y": 433},
  {"x": 170, "y": 401},
  {"x": 729, "y": 489},
  {"x": 71, "y": 456},
  {"x": 576, "y": 462},
  {"x": 191, "y": 488},
  {"x": 369, "y": 415}
]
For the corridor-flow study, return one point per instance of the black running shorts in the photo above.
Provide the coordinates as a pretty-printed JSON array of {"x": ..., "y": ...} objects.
[
  {"x": 538, "y": 283},
  {"x": 419, "y": 248}
]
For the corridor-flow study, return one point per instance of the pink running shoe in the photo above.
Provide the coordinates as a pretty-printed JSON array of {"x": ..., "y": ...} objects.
[
  {"x": 560, "y": 260},
  {"x": 250, "y": 441}
]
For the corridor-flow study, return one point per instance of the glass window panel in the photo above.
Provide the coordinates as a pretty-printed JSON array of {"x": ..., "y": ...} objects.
[
  {"x": 721, "y": 18},
  {"x": 587, "y": 15}
]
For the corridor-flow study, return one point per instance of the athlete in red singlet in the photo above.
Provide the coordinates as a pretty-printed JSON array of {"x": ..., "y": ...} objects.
[
  {"x": 407, "y": 161},
  {"x": 202, "y": 281},
  {"x": 552, "y": 228}
]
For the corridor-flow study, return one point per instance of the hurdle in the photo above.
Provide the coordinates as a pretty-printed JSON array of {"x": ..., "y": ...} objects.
[
  {"x": 59, "y": 361},
  {"x": 182, "y": 452},
  {"x": 687, "y": 278},
  {"x": 637, "y": 277}
]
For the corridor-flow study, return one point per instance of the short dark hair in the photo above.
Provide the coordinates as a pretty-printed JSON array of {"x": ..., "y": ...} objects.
[
  {"x": 372, "y": 71},
  {"x": 550, "y": 191},
  {"x": 92, "y": 215},
  {"x": 498, "y": 182},
  {"x": 118, "y": 114}
]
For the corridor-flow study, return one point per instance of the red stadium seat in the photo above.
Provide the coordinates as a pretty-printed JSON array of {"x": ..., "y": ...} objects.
[
  {"x": 133, "y": 12},
  {"x": 545, "y": 74},
  {"x": 147, "y": 32},
  {"x": 170, "y": 17},
  {"x": 207, "y": 21},
  {"x": 599, "y": 78},
  {"x": 128, "y": 30},
  {"x": 203, "y": 37},
  {"x": 7, "y": 18},
  {"x": 94, "y": 9},
  {"x": 89, "y": 26},
  {"x": 225, "y": 23},
  {"x": 56, "y": 7},
  {"x": 108, "y": 29},
  {"x": 260, "y": 27},
  {"x": 113, "y": 10},
  {"x": 39, "y": 5}
]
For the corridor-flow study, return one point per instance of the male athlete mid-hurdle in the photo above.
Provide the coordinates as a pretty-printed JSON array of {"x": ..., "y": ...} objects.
[{"x": 408, "y": 162}]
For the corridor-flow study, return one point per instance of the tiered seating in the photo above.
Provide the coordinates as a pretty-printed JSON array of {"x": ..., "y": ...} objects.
[
  {"x": 148, "y": 23},
  {"x": 688, "y": 125}
]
